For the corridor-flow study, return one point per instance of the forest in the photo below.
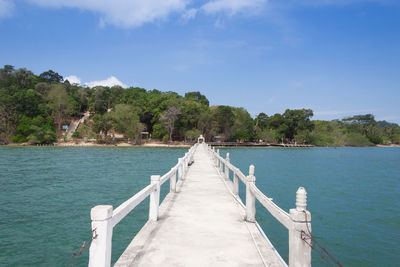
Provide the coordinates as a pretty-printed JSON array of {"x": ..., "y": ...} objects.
[{"x": 35, "y": 109}]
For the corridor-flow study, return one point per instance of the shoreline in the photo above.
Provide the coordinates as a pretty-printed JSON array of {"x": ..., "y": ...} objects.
[
  {"x": 173, "y": 145},
  {"x": 90, "y": 144}
]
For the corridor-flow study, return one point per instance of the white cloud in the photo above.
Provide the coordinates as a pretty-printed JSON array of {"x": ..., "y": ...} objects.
[
  {"x": 231, "y": 7},
  {"x": 111, "y": 81},
  {"x": 73, "y": 79},
  {"x": 123, "y": 13},
  {"x": 190, "y": 14},
  {"x": 6, "y": 8}
]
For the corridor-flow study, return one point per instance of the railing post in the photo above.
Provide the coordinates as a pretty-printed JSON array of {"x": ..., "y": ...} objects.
[
  {"x": 184, "y": 164},
  {"x": 300, "y": 229},
  {"x": 180, "y": 169},
  {"x": 100, "y": 248},
  {"x": 218, "y": 160},
  {"x": 154, "y": 198},
  {"x": 250, "y": 197},
  {"x": 226, "y": 166},
  {"x": 235, "y": 184},
  {"x": 172, "y": 183},
  {"x": 213, "y": 154}
]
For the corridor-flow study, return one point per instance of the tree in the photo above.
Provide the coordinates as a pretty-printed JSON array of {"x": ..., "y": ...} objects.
[
  {"x": 225, "y": 118},
  {"x": 27, "y": 102},
  {"x": 278, "y": 127},
  {"x": 83, "y": 99},
  {"x": 127, "y": 121},
  {"x": 261, "y": 121},
  {"x": 43, "y": 88},
  {"x": 192, "y": 134},
  {"x": 207, "y": 124},
  {"x": 198, "y": 97},
  {"x": 242, "y": 128},
  {"x": 24, "y": 79},
  {"x": 101, "y": 99},
  {"x": 168, "y": 118},
  {"x": 102, "y": 123},
  {"x": 8, "y": 69},
  {"x": 7, "y": 124},
  {"x": 59, "y": 104},
  {"x": 42, "y": 131},
  {"x": 6, "y": 76},
  {"x": 366, "y": 122},
  {"x": 298, "y": 120},
  {"x": 50, "y": 77},
  {"x": 35, "y": 131},
  {"x": 191, "y": 111}
]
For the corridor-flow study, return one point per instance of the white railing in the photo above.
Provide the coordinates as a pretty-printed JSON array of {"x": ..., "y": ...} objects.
[
  {"x": 297, "y": 221},
  {"x": 104, "y": 218}
]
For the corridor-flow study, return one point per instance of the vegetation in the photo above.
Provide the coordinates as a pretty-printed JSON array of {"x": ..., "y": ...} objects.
[{"x": 34, "y": 109}]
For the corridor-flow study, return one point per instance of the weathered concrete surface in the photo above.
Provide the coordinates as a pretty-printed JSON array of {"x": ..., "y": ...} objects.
[{"x": 200, "y": 225}]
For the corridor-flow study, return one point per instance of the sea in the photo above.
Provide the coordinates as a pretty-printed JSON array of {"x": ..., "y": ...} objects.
[{"x": 47, "y": 192}]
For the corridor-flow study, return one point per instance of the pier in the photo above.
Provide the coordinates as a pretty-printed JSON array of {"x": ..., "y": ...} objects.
[{"x": 202, "y": 221}]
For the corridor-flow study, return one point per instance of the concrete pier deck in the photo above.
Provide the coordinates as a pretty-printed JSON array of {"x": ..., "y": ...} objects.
[{"x": 202, "y": 224}]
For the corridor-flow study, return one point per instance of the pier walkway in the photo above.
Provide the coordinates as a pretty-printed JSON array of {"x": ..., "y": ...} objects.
[{"x": 201, "y": 222}]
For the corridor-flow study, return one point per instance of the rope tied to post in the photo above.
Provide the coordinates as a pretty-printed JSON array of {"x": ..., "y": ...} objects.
[
  {"x": 313, "y": 243},
  {"x": 77, "y": 253}
]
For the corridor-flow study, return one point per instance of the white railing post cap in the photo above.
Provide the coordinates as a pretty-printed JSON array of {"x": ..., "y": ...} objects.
[
  {"x": 101, "y": 212},
  {"x": 251, "y": 176},
  {"x": 227, "y": 155},
  {"x": 301, "y": 199},
  {"x": 155, "y": 178},
  {"x": 251, "y": 169}
]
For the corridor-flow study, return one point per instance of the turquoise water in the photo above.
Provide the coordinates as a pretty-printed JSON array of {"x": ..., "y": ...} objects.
[
  {"x": 47, "y": 193},
  {"x": 353, "y": 195}
]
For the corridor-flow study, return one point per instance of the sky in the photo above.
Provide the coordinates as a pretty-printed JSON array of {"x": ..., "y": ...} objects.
[{"x": 337, "y": 57}]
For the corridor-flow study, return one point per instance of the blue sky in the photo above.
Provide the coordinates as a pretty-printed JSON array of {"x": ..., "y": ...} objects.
[{"x": 337, "y": 57}]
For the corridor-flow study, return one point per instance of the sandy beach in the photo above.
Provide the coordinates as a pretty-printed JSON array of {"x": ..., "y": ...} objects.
[{"x": 123, "y": 144}]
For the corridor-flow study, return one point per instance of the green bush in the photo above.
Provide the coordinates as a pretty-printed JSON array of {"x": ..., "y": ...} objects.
[
  {"x": 376, "y": 139},
  {"x": 192, "y": 134},
  {"x": 77, "y": 134},
  {"x": 19, "y": 138},
  {"x": 41, "y": 136},
  {"x": 395, "y": 139},
  {"x": 160, "y": 132},
  {"x": 241, "y": 135},
  {"x": 356, "y": 139},
  {"x": 37, "y": 130}
]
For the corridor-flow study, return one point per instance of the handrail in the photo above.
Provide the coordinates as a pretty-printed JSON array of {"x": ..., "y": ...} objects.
[
  {"x": 275, "y": 210},
  {"x": 279, "y": 214},
  {"x": 296, "y": 221},
  {"x": 168, "y": 175},
  {"x": 126, "y": 207},
  {"x": 104, "y": 218}
]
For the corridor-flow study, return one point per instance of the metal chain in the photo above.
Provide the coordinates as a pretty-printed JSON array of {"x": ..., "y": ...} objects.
[
  {"x": 317, "y": 247},
  {"x": 77, "y": 253}
]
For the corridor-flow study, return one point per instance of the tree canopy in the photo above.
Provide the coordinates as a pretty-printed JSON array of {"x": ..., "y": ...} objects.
[{"x": 34, "y": 108}]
